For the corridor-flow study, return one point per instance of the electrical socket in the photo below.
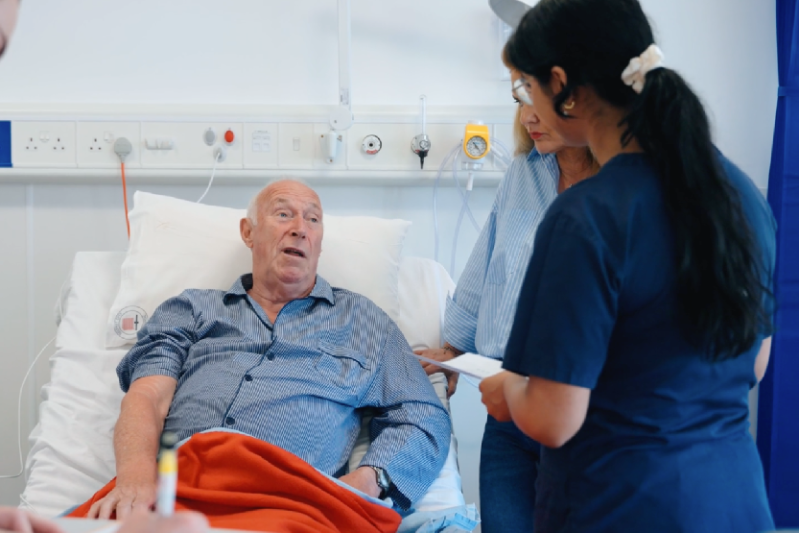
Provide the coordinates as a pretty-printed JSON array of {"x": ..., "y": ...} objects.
[
  {"x": 43, "y": 144},
  {"x": 95, "y": 146}
]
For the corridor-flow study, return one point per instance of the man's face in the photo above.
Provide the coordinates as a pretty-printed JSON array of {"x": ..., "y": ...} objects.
[
  {"x": 287, "y": 238},
  {"x": 8, "y": 20}
]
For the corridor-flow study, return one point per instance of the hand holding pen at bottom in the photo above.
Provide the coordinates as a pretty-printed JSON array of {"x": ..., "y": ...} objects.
[
  {"x": 19, "y": 521},
  {"x": 16, "y": 520},
  {"x": 147, "y": 522}
]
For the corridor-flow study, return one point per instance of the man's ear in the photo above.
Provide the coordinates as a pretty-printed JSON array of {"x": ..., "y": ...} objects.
[{"x": 245, "y": 228}]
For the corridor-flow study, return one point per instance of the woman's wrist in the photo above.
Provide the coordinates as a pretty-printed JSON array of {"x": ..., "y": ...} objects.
[{"x": 451, "y": 349}]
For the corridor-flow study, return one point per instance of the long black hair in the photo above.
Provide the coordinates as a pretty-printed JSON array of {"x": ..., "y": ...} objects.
[{"x": 720, "y": 276}]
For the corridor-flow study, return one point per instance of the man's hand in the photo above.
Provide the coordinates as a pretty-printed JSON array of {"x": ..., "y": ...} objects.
[
  {"x": 440, "y": 354},
  {"x": 124, "y": 500},
  {"x": 136, "y": 437},
  {"x": 19, "y": 521},
  {"x": 364, "y": 478},
  {"x": 493, "y": 390}
]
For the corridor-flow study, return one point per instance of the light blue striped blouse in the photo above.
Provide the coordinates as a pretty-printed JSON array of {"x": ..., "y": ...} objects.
[
  {"x": 480, "y": 314},
  {"x": 299, "y": 383}
]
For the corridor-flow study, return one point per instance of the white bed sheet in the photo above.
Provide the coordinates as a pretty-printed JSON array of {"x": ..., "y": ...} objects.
[{"x": 72, "y": 453}]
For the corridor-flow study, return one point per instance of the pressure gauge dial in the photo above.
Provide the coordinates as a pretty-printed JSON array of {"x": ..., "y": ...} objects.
[
  {"x": 476, "y": 147},
  {"x": 476, "y": 143}
]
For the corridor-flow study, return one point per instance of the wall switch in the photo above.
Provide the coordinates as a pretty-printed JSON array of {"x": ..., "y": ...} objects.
[{"x": 295, "y": 146}]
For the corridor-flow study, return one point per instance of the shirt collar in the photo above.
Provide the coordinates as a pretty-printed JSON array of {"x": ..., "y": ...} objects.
[
  {"x": 550, "y": 162},
  {"x": 321, "y": 289},
  {"x": 533, "y": 154}
]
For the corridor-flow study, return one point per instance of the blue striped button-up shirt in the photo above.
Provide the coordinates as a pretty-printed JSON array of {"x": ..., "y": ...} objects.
[
  {"x": 480, "y": 314},
  {"x": 299, "y": 383}
]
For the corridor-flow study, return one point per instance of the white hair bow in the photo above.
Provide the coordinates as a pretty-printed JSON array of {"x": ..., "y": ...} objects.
[{"x": 635, "y": 73}]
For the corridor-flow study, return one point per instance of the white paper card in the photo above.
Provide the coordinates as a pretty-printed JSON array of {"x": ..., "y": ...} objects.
[{"x": 470, "y": 364}]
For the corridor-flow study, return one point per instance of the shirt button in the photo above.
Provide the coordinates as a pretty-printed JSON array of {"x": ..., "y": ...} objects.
[
  {"x": 271, "y": 357},
  {"x": 247, "y": 377},
  {"x": 230, "y": 421}
]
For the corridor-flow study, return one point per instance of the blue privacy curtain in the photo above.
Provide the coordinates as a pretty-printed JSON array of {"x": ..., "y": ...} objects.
[{"x": 778, "y": 408}]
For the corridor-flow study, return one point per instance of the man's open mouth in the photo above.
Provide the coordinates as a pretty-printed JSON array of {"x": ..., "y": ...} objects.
[{"x": 294, "y": 251}]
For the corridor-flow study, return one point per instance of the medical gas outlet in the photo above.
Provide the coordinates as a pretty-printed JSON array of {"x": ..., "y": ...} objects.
[
  {"x": 371, "y": 144},
  {"x": 420, "y": 145},
  {"x": 476, "y": 141}
]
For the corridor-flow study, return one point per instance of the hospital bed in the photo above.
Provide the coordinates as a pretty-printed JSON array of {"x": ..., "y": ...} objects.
[{"x": 72, "y": 450}]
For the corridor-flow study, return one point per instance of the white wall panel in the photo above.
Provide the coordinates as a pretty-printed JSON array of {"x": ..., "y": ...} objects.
[{"x": 14, "y": 348}]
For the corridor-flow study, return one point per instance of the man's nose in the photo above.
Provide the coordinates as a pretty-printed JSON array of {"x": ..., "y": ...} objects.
[{"x": 300, "y": 227}]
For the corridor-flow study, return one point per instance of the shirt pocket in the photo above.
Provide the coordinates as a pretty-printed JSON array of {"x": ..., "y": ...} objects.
[
  {"x": 496, "y": 269},
  {"x": 340, "y": 366}
]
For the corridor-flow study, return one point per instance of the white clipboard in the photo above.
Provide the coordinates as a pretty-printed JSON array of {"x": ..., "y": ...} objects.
[{"x": 469, "y": 364}]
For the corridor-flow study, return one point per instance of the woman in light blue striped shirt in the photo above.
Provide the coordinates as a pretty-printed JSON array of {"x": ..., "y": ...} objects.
[{"x": 480, "y": 314}]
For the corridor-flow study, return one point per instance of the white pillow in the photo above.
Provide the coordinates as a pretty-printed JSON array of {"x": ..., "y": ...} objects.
[
  {"x": 177, "y": 245},
  {"x": 83, "y": 310}
]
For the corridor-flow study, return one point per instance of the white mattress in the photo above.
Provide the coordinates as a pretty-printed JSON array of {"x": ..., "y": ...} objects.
[{"x": 72, "y": 451}]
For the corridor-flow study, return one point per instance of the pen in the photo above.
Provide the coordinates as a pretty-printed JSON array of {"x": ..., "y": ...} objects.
[{"x": 167, "y": 474}]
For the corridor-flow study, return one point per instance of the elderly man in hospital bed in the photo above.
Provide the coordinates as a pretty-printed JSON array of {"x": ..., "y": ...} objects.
[{"x": 282, "y": 357}]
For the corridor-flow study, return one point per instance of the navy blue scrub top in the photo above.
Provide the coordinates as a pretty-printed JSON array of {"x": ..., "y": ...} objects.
[{"x": 665, "y": 445}]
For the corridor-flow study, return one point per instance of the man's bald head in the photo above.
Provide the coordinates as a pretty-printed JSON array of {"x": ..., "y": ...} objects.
[{"x": 283, "y": 184}]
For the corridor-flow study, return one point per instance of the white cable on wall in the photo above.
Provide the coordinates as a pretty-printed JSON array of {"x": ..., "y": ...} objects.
[
  {"x": 218, "y": 154},
  {"x": 19, "y": 414}
]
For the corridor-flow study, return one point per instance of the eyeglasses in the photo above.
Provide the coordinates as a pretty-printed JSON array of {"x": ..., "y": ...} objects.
[{"x": 519, "y": 90}]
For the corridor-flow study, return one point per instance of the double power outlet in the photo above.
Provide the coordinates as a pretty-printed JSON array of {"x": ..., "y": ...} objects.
[
  {"x": 43, "y": 144},
  {"x": 71, "y": 144}
]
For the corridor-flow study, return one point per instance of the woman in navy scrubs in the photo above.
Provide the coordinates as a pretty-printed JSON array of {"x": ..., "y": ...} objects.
[{"x": 645, "y": 314}]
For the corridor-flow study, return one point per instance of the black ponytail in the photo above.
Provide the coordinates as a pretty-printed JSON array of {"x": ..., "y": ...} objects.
[
  {"x": 719, "y": 274},
  {"x": 720, "y": 287}
]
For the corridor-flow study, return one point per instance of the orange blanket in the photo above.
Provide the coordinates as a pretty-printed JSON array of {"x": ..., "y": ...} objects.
[{"x": 240, "y": 482}]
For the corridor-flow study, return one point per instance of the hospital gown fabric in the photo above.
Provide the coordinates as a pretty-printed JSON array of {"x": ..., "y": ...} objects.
[
  {"x": 300, "y": 383},
  {"x": 665, "y": 446}
]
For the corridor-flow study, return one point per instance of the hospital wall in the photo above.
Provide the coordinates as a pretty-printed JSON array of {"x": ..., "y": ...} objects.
[{"x": 276, "y": 52}]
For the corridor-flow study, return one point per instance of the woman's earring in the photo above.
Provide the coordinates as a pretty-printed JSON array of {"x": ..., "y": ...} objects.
[{"x": 568, "y": 107}]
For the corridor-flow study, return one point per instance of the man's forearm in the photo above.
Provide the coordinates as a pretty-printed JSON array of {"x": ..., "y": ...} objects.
[{"x": 136, "y": 438}]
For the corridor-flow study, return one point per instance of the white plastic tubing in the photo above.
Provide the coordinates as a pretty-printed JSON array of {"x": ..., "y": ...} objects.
[{"x": 500, "y": 153}]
